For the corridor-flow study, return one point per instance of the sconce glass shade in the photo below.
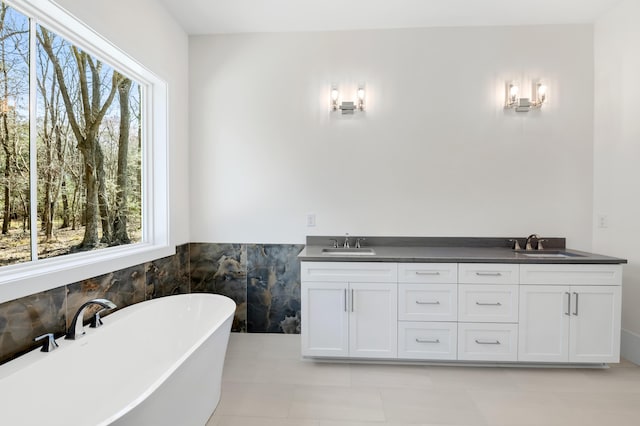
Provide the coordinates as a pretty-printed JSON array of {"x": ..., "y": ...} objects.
[
  {"x": 541, "y": 95},
  {"x": 361, "y": 99},
  {"x": 511, "y": 94},
  {"x": 334, "y": 99}
]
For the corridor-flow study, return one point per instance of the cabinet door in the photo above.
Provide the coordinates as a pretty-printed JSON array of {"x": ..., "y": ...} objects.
[
  {"x": 544, "y": 323},
  {"x": 373, "y": 324},
  {"x": 595, "y": 324},
  {"x": 325, "y": 319}
]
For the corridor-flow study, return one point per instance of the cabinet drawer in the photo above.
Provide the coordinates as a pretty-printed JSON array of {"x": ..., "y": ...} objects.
[
  {"x": 355, "y": 272},
  {"x": 487, "y": 342},
  {"x": 425, "y": 340},
  {"x": 427, "y": 302},
  {"x": 488, "y": 273},
  {"x": 487, "y": 303},
  {"x": 571, "y": 274},
  {"x": 443, "y": 273}
]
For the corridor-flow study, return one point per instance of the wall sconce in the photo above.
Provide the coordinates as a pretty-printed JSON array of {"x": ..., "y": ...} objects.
[
  {"x": 513, "y": 101},
  {"x": 348, "y": 107}
]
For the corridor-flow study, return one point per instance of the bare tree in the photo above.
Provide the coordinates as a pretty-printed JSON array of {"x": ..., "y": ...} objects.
[
  {"x": 120, "y": 223},
  {"x": 85, "y": 128}
]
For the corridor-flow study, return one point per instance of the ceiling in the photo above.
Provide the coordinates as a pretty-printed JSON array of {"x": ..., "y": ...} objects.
[{"x": 239, "y": 16}]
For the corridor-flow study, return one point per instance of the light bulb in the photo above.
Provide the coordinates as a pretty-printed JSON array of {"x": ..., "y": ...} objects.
[
  {"x": 334, "y": 94},
  {"x": 542, "y": 92},
  {"x": 361, "y": 94},
  {"x": 513, "y": 92}
]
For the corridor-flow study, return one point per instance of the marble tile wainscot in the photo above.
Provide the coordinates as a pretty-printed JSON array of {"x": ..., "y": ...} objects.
[{"x": 263, "y": 279}]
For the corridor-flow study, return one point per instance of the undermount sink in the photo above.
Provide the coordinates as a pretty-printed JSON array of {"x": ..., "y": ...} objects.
[
  {"x": 348, "y": 251},
  {"x": 548, "y": 254}
]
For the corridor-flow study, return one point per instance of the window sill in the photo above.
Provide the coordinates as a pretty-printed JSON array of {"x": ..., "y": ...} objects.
[{"x": 26, "y": 279}]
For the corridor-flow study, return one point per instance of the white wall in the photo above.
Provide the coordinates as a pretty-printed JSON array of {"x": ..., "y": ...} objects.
[
  {"x": 617, "y": 155},
  {"x": 434, "y": 155},
  {"x": 146, "y": 31}
]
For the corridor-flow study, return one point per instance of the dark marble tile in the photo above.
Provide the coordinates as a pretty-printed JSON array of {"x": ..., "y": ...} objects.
[
  {"x": 24, "y": 319},
  {"x": 273, "y": 288},
  {"x": 221, "y": 269},
  {"x": 124, "y": 287},
  {"x": 169, "y": 275}
]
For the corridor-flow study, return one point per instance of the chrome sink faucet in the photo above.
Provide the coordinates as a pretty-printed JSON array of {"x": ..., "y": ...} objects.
[
  {"x": 528, "y": 245},
  {"x": 346, "y": 241},
  {"x": 76, "y": 329}
]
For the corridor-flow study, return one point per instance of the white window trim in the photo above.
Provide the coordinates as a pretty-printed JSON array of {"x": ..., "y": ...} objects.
[{"x": 36, "y": 276}]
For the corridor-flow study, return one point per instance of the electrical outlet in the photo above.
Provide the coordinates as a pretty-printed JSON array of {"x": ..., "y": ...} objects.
[
  {"x": 603, "y": 221},
  {"x": 311, "y": 220}
]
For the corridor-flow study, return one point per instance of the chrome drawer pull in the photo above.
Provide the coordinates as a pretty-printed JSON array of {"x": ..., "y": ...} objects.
[
  {"x": 427, "y": 303},
  {"x": 489, "y": 304},
  {"x": 568, "y": 303},
  {"x": 489, "y": 274},
  {"x": 427, "y": 341},
  {"x": 485, "y": 342},
  {"x": 427, "y": 273},
  {"x": 575, "y": 312}
]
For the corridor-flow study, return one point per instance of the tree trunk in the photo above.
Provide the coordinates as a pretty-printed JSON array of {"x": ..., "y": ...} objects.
[
  {"x": 90, "y": 238},
  {"x": 103, "y": 202},
  {"x": 120, "y": 223},
  {"x": 65, "y": 204}
]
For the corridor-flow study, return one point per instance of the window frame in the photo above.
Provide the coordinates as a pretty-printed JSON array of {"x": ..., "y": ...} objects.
[{"x": 39, "y": 275}]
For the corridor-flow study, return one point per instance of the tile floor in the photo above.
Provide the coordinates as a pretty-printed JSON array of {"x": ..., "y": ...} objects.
[{"x": 266, "y": 383}]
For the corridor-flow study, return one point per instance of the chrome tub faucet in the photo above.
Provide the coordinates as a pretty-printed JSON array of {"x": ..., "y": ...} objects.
[{"x": 76, "y": 329}]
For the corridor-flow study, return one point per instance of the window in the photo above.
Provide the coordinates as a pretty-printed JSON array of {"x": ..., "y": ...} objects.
[{"x": 83, "y": 180}]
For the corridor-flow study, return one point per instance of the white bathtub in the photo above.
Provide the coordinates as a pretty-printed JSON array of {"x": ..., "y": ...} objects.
[{"x": 154, "y": 363}]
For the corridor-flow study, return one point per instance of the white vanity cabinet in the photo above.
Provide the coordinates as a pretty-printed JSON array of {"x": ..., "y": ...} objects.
[
  {"x": 349, "y": 309},
  {"x": 570, "y": 313},
  {"x": 552, "y": 313}
]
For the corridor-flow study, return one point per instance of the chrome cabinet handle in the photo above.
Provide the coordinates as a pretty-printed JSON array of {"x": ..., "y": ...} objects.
[
  {"x": 427, "y": 341},
  {"x": 489, "y": 304},
  {"x": 345, "y": 300},
  {"x": 352, "y": 303},
  {"x": 575, "y": 310},
  {"x": 486, "y": 342},
  {"x": 418, "y": 302},
  {"x": 568, "y": 303},
  {"x": 427, "y": 273},
  {"x": 489, "y": 274}
]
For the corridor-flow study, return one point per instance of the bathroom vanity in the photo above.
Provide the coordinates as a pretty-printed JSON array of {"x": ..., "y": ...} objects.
[{"x": 460, "y": 300}]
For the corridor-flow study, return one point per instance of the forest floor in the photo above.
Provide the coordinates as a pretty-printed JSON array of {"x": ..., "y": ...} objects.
[{"x": 15, "y": 247}]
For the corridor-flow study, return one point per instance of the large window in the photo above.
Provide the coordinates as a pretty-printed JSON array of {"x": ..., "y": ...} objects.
[{"x": 81, "y": 129}]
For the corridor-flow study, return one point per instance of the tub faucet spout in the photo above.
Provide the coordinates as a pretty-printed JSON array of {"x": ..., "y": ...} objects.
[{"x": 76, "y": 329}]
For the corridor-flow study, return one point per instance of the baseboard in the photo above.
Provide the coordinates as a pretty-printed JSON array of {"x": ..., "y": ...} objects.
[{"x": 630, "y": 346}]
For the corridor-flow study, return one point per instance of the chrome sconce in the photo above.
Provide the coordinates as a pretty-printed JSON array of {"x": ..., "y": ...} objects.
[
  {"x": 348, "y": 107},
  {"x": 514, "y": 101}
]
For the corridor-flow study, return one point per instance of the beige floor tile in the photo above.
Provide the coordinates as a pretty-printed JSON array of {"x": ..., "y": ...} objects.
[
  {"x": 309, "y": 373},
  {"x": 545, "y": 379},
  {"x": 337, "y": 403},
  {"x": 522, "y": 408},
  {"x": 348, "y": 423},
  {"x": 453, "y": 407},
  {"x": 255, "y": 400},
  {"x": 470, "y": 378},
  {"x": 259, "y": 421},
  {"x": 390, "y": 376}
]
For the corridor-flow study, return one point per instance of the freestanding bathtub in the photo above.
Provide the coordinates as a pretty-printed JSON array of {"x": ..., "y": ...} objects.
[{"x": 154, "y": 363}]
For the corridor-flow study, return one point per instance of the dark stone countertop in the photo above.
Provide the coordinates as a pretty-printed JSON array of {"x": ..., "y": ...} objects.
[{"x": 450, "y": 250}]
